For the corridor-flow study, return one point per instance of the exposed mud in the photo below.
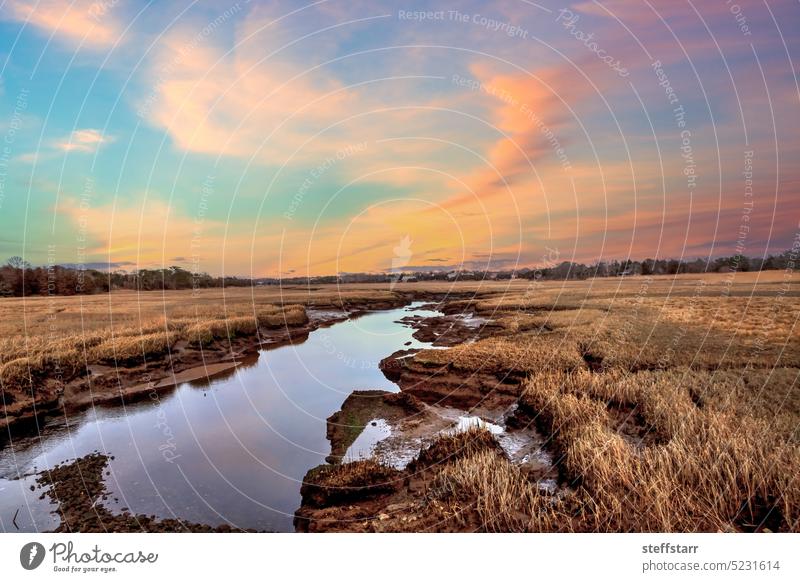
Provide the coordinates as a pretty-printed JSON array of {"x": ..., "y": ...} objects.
[
  {"x": 359, "y": 410},
  {"x": 628, "y": 422},
  {"x": 385, "y": 487},
  {"x": 78, "y": 491},
  {"x": 443, "y": 385},
  {"x": 369, "y": 496},
  {"x": 450, "y": 330}
]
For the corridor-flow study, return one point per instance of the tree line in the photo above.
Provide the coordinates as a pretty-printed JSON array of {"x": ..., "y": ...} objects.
[
  {"x": 19, "y": 278},
  {"x": 735, "y": 263}
]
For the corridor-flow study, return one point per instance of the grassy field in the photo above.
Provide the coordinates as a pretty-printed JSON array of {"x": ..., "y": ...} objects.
[
  {"x": 687, "y": 416},
  {"x": 671, "y": 403}
]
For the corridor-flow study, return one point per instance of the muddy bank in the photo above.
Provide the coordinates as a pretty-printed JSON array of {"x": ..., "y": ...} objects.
[
  {"x": 444, "y": 385},
  {"x": 367, "y": 496},
  {"x": 387, "y": 482},
  {"x": 450, "y": 330},
  {"x": 78, "y": 491},
  {"x": 371, "y": 496},
  {"x": 364, "y": 409}
]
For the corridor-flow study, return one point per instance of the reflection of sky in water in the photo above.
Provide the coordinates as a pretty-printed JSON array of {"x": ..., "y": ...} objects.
[
  {"x": 235, "y": 451},
  {"x": 364, "y": 446}
]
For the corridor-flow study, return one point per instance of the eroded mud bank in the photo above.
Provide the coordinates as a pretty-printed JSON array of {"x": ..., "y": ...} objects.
[{"x": 389, "y": 449}]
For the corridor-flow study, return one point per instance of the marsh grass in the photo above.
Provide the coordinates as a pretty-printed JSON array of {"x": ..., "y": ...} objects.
[
  {"x": 672, "y": 409},
  {"x": 711, "y": 469}
]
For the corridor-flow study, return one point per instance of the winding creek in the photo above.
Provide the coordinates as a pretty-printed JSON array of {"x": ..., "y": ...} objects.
[{"x": 230, "y": 450}]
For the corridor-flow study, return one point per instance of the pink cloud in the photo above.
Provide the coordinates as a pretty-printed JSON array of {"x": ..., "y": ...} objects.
[
  {"x": 83, "y": 140},
  {"x": 88, "y": 22}
]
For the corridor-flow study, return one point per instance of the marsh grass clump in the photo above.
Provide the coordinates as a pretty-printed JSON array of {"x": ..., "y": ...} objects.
[
  {"x": 17, "y": 375},
  {"x": 275, "y": 317},
  {"x": 206, "y": 332},
  {"x": 28, "y": 374},
  {"x": 209, "y": 330},
  {"x": 482, "y": 491},
  {"x": 503, "y": 356},
  {"x": 335, "y": 484},
  {"x": 450, "y": 447},
  {"x": 132, "y": 350}
]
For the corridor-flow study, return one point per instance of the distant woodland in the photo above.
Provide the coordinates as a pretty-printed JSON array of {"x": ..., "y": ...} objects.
[{"x": 18, "y": 278}]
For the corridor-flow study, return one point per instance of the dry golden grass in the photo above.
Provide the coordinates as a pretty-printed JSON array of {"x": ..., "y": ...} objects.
[
  {"x": 483, "y": 491},
  {"x": 329, "y": 484},
  {"x": 706, "y": 469},
  {"x": 673, "y": 407},
  {"x": 518, "y": 354},
  {"x": 132, "y": 349},
  {"x": 710, "y": 470}
]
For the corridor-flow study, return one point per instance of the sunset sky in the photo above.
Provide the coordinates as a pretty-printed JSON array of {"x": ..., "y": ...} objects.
[{"x": 285, "y": 138}]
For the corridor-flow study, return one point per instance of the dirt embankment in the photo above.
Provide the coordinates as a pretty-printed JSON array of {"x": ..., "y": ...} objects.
[
  {"x": 113, "y": 378},
  {"x": 444, "y": 384},
  {"x": 449, "y": 329},
  {"x": 367, "y": 496}
]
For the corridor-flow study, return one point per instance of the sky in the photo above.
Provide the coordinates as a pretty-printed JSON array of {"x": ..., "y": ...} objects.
[{"x": 291, "y": 138}]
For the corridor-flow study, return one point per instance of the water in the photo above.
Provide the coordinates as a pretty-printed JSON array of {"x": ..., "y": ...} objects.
[{"x": 234, "y": 450}]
